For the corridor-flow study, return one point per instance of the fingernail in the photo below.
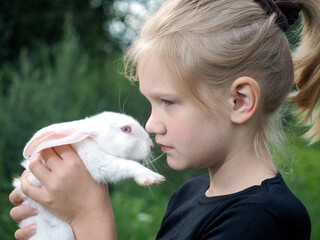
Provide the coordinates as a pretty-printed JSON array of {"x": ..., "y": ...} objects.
[
  {"x": 24, "y": 173},
  {"x": 33, "y": 228},
  {"x": 35, "y": 211}
]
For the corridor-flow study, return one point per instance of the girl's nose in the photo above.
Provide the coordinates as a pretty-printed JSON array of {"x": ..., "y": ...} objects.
[{"x": 154, "y": 125}]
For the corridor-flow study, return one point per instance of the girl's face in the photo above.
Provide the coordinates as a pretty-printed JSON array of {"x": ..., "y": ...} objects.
[{"x": 191, "y": 138}]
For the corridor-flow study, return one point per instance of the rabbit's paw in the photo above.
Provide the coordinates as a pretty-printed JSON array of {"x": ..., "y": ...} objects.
[{"x": 149, "y": 179}]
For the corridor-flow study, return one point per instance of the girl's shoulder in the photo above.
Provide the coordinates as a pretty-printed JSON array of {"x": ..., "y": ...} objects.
[
  {"x": 272, "y": 193},
  {"x": 272, "y": 197},
  {"x": 250, "y": 212}
]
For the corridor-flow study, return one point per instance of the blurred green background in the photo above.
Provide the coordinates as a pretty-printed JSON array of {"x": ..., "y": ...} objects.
[{"x": 60, "y": 61}]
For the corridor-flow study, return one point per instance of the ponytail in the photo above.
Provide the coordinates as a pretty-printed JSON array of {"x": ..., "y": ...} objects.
[{"x": 307, "y": 68}]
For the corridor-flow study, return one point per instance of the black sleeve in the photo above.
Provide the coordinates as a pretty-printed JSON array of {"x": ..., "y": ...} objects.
[{"x": 246, "y": 222}]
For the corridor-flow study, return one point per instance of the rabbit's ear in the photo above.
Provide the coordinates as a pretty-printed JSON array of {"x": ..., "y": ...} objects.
[{"x": 53, "y": 136}]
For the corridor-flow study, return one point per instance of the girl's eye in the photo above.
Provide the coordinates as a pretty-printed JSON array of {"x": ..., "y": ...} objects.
[
  {"x": 126, "y": 129},
  {"x": 167, "y": 102}
]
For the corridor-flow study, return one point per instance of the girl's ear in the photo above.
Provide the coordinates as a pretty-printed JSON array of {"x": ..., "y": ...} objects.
[{"x": 245, "y": 95}]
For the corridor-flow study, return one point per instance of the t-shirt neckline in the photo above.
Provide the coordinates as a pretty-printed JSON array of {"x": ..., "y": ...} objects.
[{"x": 204, "y": 199}]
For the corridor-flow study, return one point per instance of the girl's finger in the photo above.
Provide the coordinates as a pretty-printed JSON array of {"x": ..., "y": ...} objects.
[
  {"x": 39, "y": 170},
  {"x": 65, "y": 152},
  {"x": 22, "y": 212},
  {"x": 15, "y": 198},
  {"x": 35, "y": 193},
  {"x": 25, "y": 232},
  {"x": 51, "y": 158}
]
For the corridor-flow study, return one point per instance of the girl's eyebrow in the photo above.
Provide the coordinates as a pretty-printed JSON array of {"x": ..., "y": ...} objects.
[
  {"x": 154, "y": 93},
  {"x": 161, "y": 96}
]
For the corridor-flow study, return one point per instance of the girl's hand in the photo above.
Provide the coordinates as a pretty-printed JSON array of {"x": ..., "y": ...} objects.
[
  {"x": 69, "y": 192},
  {"x": 20, "y": 212}
]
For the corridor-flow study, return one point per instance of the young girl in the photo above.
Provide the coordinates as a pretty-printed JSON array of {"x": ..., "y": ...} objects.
[{"x": 215, "y": 72}]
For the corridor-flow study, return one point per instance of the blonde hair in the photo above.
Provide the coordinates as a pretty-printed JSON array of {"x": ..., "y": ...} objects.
[
  {"x": 307, "y": 67},
  {"x": 213, "y": 42}
]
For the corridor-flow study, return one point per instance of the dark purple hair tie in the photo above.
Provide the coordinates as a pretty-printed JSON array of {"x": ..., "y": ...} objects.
[{"x": 287, "y": 12}]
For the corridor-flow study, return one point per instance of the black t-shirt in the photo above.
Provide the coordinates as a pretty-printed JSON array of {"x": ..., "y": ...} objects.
[{"x": 266, "y": 212}]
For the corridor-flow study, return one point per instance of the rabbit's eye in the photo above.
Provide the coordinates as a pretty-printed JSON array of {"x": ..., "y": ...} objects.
[{"x": 126, "y": 129}]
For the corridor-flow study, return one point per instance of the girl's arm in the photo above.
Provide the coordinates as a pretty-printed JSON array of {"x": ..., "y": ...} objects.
[{"x": 69, "y": 192}]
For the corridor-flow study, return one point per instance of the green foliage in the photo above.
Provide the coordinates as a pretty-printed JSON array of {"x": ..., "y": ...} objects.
[
  {"x": 8, "y": 226},
  {"x": 29, "y": 24},
  {"x": 305, "y": 183}
]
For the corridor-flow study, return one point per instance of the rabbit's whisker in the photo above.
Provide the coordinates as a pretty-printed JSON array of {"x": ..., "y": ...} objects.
[{"x": 155, "y": 159}]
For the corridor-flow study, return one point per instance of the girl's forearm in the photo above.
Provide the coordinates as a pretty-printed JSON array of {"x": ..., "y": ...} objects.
[{"x": 99, "y": 225}]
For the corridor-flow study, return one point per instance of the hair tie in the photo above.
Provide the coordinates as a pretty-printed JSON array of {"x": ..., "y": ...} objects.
[{"x": 287, "y": 12}]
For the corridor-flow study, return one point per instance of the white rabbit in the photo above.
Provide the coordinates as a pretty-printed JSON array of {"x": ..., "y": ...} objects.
[{"x": 109, "y": 145}]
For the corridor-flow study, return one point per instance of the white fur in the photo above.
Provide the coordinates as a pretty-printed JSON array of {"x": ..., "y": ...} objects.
[{"x": 108, "y": 153}]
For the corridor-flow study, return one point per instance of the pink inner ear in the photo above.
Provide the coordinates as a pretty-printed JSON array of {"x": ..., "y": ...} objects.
[
  {"x": 36, "y": 142},
  {"x": 52, "y": 139}
]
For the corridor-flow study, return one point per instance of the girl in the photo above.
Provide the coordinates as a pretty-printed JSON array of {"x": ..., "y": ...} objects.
[{"x": 215, "y": 72}]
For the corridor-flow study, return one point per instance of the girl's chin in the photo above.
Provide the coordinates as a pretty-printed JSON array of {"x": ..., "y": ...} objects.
[
  {"x": 176, "y": 164},
  {"x": 181, "y": 165}
]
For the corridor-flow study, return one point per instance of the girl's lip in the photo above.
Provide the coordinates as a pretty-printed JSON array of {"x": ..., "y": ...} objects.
[{"x": 165, "y": 148}]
